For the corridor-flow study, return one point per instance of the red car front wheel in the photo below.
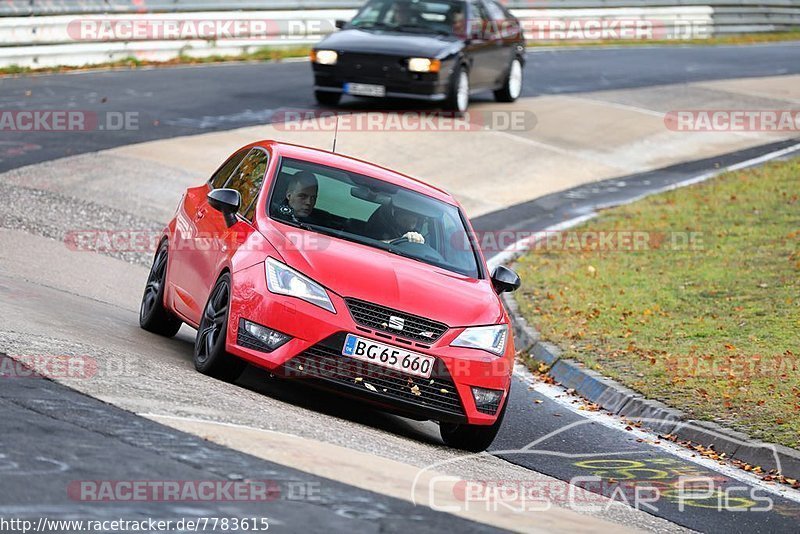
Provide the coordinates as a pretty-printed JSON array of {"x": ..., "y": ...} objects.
[{"x": 473, "y": 438}]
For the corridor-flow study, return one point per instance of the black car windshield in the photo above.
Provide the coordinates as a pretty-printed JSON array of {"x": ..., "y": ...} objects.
[
  {"x": 372, "y": 212},
  {"x": 423, "y": 16}
]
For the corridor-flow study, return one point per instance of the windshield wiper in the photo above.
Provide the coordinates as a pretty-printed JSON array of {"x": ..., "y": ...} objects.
[
  {"x": 374, "y": 26},
  {"x": 417, "y": 28},
  {"x": 297, "y": 224}
]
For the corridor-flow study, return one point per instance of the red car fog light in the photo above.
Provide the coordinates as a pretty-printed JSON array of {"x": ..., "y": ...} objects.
[
  {"x": 258, "y": 337},
  {"x": 487, "y": 400}
]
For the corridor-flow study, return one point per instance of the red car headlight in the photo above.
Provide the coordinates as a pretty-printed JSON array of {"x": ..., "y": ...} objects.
[
  {"x": 283, "y": 280},
  {"x": 489, "y": 338}
]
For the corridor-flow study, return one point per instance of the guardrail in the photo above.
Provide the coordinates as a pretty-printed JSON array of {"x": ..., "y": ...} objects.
[
  {"x": 18, "y": 8},
  {"x": 51, "y": 40}
]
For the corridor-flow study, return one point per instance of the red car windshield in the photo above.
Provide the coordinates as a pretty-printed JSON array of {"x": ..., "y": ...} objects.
[{"x": 373, "y": 212}]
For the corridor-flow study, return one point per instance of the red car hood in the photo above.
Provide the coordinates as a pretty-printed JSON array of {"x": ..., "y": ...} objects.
[{"x": 354, "y": 270}]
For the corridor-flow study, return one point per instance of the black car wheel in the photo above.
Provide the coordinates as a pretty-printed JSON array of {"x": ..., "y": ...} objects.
[
  {"x": 458, "y": 98},
  {"x": 153, "y": 316},
  {"x": 210, "y": 356},
  {"x": 512, "y": 87},
  {"x": 327, "y": 98},
  {"x": 473, "y": 438}
]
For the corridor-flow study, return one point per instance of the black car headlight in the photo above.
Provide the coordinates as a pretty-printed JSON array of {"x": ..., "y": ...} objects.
[
  {"x": 422, "y": 64},
  {"x": 324, "y": 57}
]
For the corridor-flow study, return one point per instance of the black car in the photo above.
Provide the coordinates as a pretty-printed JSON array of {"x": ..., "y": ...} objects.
[{"x": 434, "y": 50}]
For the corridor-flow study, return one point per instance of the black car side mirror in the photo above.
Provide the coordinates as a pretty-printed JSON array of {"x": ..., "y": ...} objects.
[
  {"x": 226, "y": 201},
  {"x": 504, "y": 280},
  {"x": 340, "y": 24}
]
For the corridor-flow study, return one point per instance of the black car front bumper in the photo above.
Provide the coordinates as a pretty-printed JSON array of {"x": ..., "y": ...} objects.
[{"x": 387, "y": 71}]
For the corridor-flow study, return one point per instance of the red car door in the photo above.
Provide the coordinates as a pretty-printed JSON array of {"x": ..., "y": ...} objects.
[
  {"x": 189, "y": 230},
  {"x": 215, "y": 241}
]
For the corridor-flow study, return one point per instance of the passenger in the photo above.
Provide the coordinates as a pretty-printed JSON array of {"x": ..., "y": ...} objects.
[{"x": 458, "y": 21}]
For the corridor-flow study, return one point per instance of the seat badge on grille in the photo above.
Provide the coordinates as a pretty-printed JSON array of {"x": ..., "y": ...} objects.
[{"x": 396, "y": 323}]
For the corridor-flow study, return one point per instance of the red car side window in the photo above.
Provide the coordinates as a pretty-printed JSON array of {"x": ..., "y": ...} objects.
[
  {"x": 247, "y": 179},
  {"x": 223, "y": 173}
]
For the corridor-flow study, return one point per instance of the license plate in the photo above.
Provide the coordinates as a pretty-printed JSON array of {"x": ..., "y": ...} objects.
[
  {"x": 411, "y": 363},
  {"x": 364, "y": 89}
]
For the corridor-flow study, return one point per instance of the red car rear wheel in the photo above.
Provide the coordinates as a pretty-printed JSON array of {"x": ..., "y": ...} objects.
[{"x": 153, "y": 316}]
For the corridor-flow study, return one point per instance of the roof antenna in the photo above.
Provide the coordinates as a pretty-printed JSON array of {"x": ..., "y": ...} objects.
[{"x": 335, "y": 133}]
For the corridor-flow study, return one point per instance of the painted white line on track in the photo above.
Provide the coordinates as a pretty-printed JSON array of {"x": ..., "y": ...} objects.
[
  {"x": 559, "y": 393},
  {"x": 618, "y": 105},
  {"x": 149, "y": 415}
]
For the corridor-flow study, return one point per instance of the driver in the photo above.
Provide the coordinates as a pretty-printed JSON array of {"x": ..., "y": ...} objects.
[
  {"x": 395, "y": 223},
  {"x": 402, "y": 13},
  {"x": 301, "y": 196}
]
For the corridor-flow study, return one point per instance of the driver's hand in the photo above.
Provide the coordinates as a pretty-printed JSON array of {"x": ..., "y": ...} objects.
[{"x": 414, "y": 237}]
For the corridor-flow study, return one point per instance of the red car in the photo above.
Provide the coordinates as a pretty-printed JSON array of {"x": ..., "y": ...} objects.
[{"x": 357, "y": 278}]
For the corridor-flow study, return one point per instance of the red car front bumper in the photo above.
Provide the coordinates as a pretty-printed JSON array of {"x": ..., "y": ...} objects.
[{"x": 314, "y": 352}]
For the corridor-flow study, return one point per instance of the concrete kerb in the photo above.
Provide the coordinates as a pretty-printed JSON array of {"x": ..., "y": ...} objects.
[{"x": 652, "y": 414}]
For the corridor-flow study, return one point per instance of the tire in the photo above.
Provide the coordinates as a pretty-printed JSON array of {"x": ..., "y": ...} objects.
[
  {"x": 153, "y": 316},
  {"x": 210, "y": 356},
  {"x": 472, "y": 438},
  {"x": 512, "y": 87},
  {"x": 326, "y": 98},
  {"x": 458, "y": 97}
]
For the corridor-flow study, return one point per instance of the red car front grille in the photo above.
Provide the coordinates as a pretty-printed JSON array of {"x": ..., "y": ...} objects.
[
  {"x": 325, "y": 361},
  {"x": 380, "y": 317}
]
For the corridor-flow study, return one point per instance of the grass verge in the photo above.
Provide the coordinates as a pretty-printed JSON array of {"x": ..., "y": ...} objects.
[
  {"x": 700, "y": 308},
  {"x": 262, "y": 54}
]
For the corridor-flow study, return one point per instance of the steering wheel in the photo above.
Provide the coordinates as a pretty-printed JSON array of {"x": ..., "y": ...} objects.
[
  {"x": 424, "y": 251},
  {"x": 400, "y": 239}
]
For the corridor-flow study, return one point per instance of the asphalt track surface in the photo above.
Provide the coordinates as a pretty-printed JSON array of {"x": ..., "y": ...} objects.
[
  {"x": 180, "y": 101},
  {"x": 193, "y": 100},
  {"x": 53, "y": 437}
]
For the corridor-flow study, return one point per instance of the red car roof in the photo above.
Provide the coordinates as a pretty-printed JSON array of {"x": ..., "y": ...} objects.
[{"x": 346, "y": 163}]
